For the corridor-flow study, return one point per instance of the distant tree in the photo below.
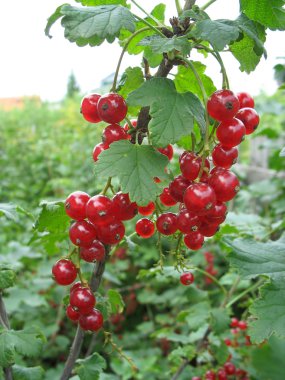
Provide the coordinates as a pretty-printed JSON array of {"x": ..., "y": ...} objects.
[{"x": 72, "y": 86}]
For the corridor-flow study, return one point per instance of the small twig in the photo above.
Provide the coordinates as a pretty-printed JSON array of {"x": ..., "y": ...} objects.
[
  {"x": 208, "y": 4},
  {"x": 245, "y": 292}
]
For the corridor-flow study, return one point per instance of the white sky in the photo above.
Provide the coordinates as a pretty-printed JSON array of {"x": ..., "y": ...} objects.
[{"x": 32, "y": 64}]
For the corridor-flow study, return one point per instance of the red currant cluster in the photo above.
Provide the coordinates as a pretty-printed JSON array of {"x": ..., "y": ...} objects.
[
  {"x": 209, "y": 257},
  {"x": 238, "y": 330},
  {"x": 227, "y": 372}
]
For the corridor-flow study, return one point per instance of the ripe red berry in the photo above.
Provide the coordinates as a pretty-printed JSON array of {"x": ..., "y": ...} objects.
[
  {"x": 82, "y": 300},
  {"x": 89, "y": 108},
  {"x": 242, "y": 325},
  {"x": 166, "y": 223},
  {"x": 98, "y": 149},
  {"x": 194, "y": 241},
  {"x": 112, "y": 108},
  {"x": 146, "y": 210},
  {"x": 126, "y": 209},
  {"x": 187, "y": 278},
  {"x": 82, "y": 233},
  {"x": 228, "y": 342},
  {"x": 72, "y": 314},
  {"x": 225, "y": 184},
  {"x": 210, "y": 375},
  {"x": 231, "y": 133},
  {"x": 196, "y": 378},
  {"x": 145, "y": 228},
  {"x": 245, "y": 100},
  {"x": 100, "y": 210},
  {"x": 75, "y": 205},
  {"x": 230, "y": 368},
  {"x": 111, "y": 233},
  {"x": 223, "y": 105},
  {"x": 92, "y": 321},
  {"x": 134, "y": 124},
  {"x": 166, "y": 199},
  {"x": 234, "y": 322},
  {"x": 199, "y": 198},
  {"x": 190, "y": 165},
  {"x": 222, "y": 375},
  {"x": 95, "y": 252},
  {"x": 177, "y": 187},
  {"x": 187, "y": 222},
  {"x": 217, "y": 215},
  {"x": 76, "y": 285},
  {"x": 64, "y": 272},
  {"x": 249, "y": 118},
  {"x": 113, "y": 132},
  {"x": 167, "y": 151},
  {"x": 208, "y": 229},
  {"x": 224, "y": 157}
]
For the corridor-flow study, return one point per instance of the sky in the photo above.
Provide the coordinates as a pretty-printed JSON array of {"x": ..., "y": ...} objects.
[{"x": 33, "y": 64}]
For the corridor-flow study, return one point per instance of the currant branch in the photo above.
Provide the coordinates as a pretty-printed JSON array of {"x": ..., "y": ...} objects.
[{"x": 4, "y": 321}]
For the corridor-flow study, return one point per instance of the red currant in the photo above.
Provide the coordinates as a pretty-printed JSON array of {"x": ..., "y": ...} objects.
[
  {"x": 146, "y": 210},
  {"x": 242, "y": 325},
  {"x": 196, "y": 378},
  {"x": 187, "y": 278},
  {"x": 222, "y": 375},
  {"x": 217, "y": 214},
  {"x": 230, "y": 368},
  {"x": 210, "y": 375},
  {"x": 99, "y": 149},
  {"x": 95, "y": 252},
  {"x": 190, "y": 165},
  {"x": 134, "y": 124},
  {"x": 75, "y": 205},
  {"x": 187, "y": 222},
  {"x": 72, "y": 314},
  {"x": 145, "y": 228},
  {"x": 194, "y": 241},
  {"x": 82, "y": 233},
  {"x": 231, "y": 133},
  {"x": 166, "y": 199},
  {"x": 126, "y": 209},
  {"x": 92, "y": 321},
  {"x": 166, "y": 223},
  {"x": 167, "y": 151},
  {"x": 208, "y": 230},
  {"x": 111, "y": 233},
  {"x": 177, "y": 187},
  {"x": 112, "y": 108},
  {"x": 76, "y": 285},
  {"x": 64, "y": 272},
  {"x": 100, "y": 210},
  {"x": 89, "y": 108},
  {"x": 234, "y": 322},
  {"x": 245, "y": 100},
  {"x": 224, "y": 157},
  {"x": 199, "y": 198},
  {"x": 249, "y": 118},
  {"x": 223, "y": 105},
  {"x": 113, "y": 132},
  {"x": 82, "y": 300},
  {"x": 225, "y": 184}
]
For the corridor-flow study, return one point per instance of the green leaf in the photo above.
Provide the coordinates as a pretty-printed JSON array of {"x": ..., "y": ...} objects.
[
  {"x": 91, "y": 367},
  {"x": 12, "y": 211},
  {"x": 219, "y": 33},
  {"x": 31, "y": 373},
  {"x": 101, "y": 2},
  {"x": 130, "y": 81},
  {"x": 52, "y": 19},
  {"x": 159, "y": 44},
  {"x": 93, "y": 25},
  {"x": 116, "y": 301},
  {"x": 219, "y": 320},
  {"x": 25, "y": 342},
  {"x": 253, "y": 30},
  {"x": 196, "y": 316},
  {"x": 172, "y": 113},
  {"x": 52, "y": 217},
  {"x": 135, "y": 166},
  {"x": 270, "y": 13},
  {"x": 7, "y": 277}
]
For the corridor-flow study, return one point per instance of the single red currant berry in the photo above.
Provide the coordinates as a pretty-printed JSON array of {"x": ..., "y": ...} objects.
[
  {"x": 145, "y": 228},
  {"x": 187, "y": 222},
  {"x": 234, "y": 322},
  {"x": 82, "y": 233},
  {"x": 225, "y": 184},
  {"x": 92, "y": 321},
  {"x": 111, "y": 233},
  {"x": 223, "y": 105},
  {"x": 100, "y": 210},
  {"x": 82, "y": 300},
  {"x": 218, "y": 214},
  {"x": 222, "y": 375},
  {"x": 224, "y": 157},
  {"x": 228, "y": 342},
  {"x": 190, "y": 165},
  {"x": 240, "y": 372},
  {"x": 199, "y": 198},
  {"x": 95, "y": 252},
  {"x": 112, "y": 108},
  {"x": 64, "y": 272},
  {"x": 146, "y": 210},
  {"x": 126, "y": 209},
  {"x": 210, "y": 375},
  {"x": 209, "y": 257},
  {"x": 76, "y": 285},
  {"x": 208, "y": 229},
  {"x": 99, "y": 149},
  {"x": 177, "y": 187},
  {"x": 167, "y": 151},
  {"x": 89, "y": 108},
  {"x": 187, "y": 278},
  {"x": 166, "y": 223},
  {"x": 166, "y": 199},
  {"x": 113, "y": 132},
  {"x": 194, "y": 241},
  {"x": 230, "y": 368},
  {"x": 231, "y": 133},
  {"x": 72, "y": 314},
  {"x": 196, "y": 378},
  {"x": 242, "y": 325},
  {"x": 245, "y": 100},
  {"x": 75, "y": 205},
  {"x": 250, "y": 118},
  {"x": 134, "y": 124}
]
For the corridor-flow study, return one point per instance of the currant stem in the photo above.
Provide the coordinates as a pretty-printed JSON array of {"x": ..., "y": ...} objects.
[
  {"x": 208, "y": 4},
  {"x": 245, "y": 292},
  {"x": 212, "y": 278},
  {"x": 108, "y": 185},
  {"x": 147, "y": 14},
  {"x": 154, "y": 28},
  {"x": 178, "y": 7}
]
